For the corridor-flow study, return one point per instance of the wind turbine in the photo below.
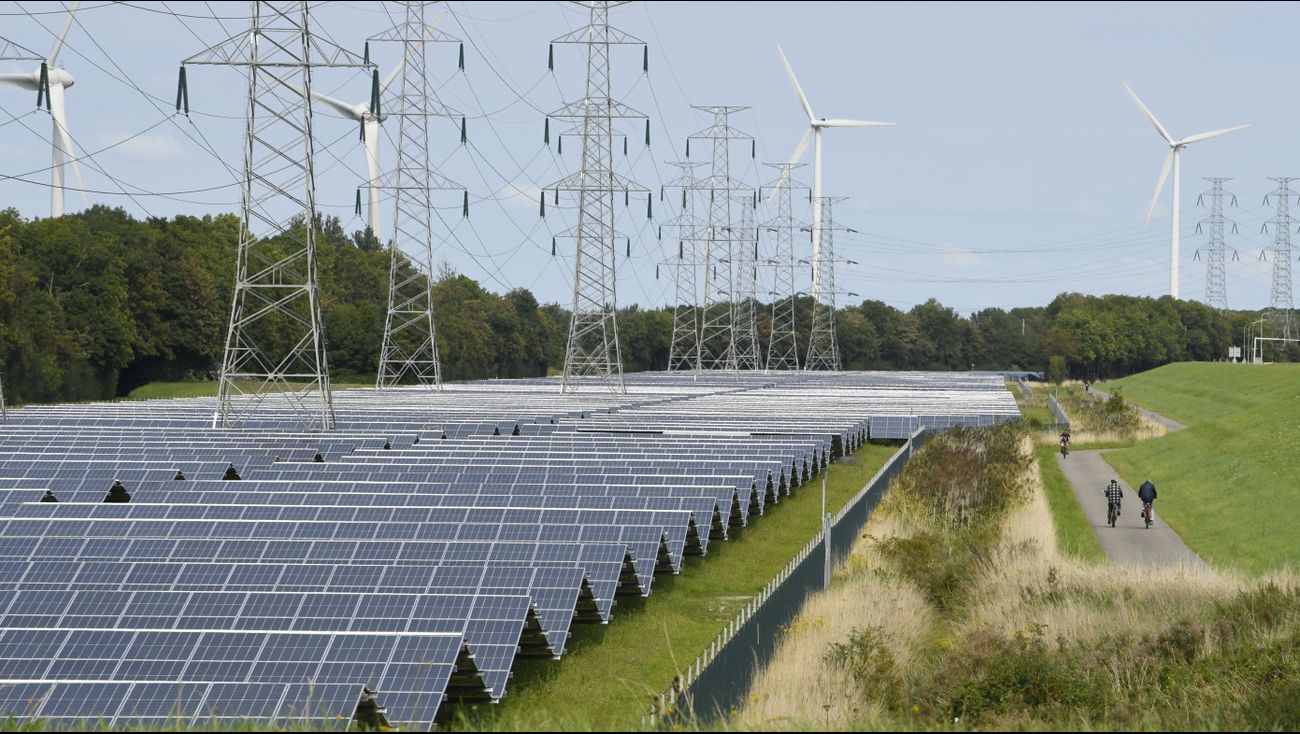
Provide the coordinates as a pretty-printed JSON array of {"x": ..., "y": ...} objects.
[
  {"x": 815, "y": 126},
  {"x": 57, "y": 81},
  {"x": 370, "y": 122},
  {"x": 1173, "y": 159}
]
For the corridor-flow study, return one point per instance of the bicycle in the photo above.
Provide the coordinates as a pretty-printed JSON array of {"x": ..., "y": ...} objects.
[
  {"x": 1112, "y": 513},
  {"x": 1065, "y": 449},
  {"x": 1148, "y": 509}
]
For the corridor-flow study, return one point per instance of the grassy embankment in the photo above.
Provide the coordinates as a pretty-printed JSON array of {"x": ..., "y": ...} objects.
[
  {"x": 1227, "y": 483},
  {"x": 956, "y": 610}
]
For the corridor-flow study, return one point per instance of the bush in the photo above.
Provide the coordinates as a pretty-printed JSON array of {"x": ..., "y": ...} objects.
[{"x": 869, "y": 663}]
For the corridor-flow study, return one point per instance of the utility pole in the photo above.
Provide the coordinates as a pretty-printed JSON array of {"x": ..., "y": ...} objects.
[
  {"x": 718, "y": 315},
  {"x": 744, "y": 252},
  {"x": 409, "y": 351},
  {"x": 592, "y": 350},
  {"x": 1216, "y": 288},
  {"x": 783, "y": 351},
  {"x": 4, "y": 413},
  {"x": 684, "y": 352},
  {"x": 275, "y": 343},
  {"x": 1280, "y": 300},
  {"x": 823, "y": 346}
]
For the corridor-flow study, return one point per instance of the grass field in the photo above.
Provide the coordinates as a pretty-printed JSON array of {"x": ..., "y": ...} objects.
[
  {"x": 608, "y": 676},
  {"x": 1227, "y": 484}
]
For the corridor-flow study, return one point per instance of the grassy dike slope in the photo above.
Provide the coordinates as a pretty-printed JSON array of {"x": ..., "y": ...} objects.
[{"x": 1228, "y": 484}]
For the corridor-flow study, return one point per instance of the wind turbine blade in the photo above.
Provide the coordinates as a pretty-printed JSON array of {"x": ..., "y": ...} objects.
[
  {"x": 22, "y": 81},
  {"x": 1160, "y": 185},
  {"x": 1159, "y": 128},
  {"x": 803, "y": 99},
  {"x": 63, "y": 34},
  {"x": 798, "y": 153},
  {"x": 854, "y": 123},
  {"x": 1198, "y": 137},
  {"x": 343, "y": 108}
]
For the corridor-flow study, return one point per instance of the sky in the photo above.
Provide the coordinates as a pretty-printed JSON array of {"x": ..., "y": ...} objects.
[{"x": 1019, "y": 167}]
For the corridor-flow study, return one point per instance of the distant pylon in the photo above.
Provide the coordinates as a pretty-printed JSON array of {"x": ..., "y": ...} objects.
[
  {"x": 718, "y": 312},
  {"x": 4, "y": 414},
  {"x": 592, "y": 350},
  {"x": 1216, "y": 281},
  {"x": 1280, "y": 302},
  {"x": 783, "y": 350},
  {"x": 744, "y": 252},
  {"x": 684, "y": 352},
  {"x": 409, "y": 351},
  {"x": 823, "y": 345},
  {"x": 275, "y": 344}
]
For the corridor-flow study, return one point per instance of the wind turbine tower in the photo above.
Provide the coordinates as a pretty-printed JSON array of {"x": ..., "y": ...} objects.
[
  {"x": 51, "y": 82},
  {"x": 823, "y": 351},
  {"x": 1173, "y": 159}
]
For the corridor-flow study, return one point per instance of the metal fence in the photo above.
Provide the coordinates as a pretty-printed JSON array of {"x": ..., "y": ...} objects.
[
  {"x": 1062, "y": 420},
  {"x": 1025, "y": 388},
  {"x": 715, "y": 683}
]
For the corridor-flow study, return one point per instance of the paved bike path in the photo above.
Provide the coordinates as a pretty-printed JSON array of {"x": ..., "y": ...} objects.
[{"x": 1129, "y": 542}]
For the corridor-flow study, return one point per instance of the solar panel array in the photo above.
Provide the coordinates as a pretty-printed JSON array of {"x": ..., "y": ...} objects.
[{"x": 153, "y": 569}]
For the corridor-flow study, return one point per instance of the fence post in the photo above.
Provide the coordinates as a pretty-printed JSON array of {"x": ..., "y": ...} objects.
[{"x": 826, "y": 541}]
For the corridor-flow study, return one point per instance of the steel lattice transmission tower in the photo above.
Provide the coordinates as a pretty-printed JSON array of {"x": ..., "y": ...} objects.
[
  {"x": 823, "y": 346},
  {"x": 783, "y": 351},
  {"x": 1280, "y": 302},
  {"x": 1216, "y": 279},
  {"x": 718, "y": 308},
  {"x": 410, "y": 345},
  {"x": 744, "y": 253},
  {"x": 684, "y": 352},
  {"x": 592, "y": 350},
  {"x": 275, "y": 343}
]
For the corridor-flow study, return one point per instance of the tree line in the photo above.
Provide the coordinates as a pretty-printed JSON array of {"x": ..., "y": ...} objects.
[{"x": 97, "y": 303}]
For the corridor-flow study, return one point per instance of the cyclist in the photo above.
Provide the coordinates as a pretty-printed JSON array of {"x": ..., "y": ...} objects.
[
  {"x": 1065, "y": 441},
  {"x": 1113, "y": 497},
  {"x": 1147, "y": 493}
]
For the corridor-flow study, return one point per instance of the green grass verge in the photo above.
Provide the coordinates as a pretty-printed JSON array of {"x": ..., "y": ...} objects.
[
  {"x": 1227, "y": 483},
  {"x": 609, "y": 674},
  {"x": 1074, "y": 534}
]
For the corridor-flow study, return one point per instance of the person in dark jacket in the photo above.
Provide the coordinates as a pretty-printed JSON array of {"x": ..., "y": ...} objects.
[{"x": 1147, "y": 493}]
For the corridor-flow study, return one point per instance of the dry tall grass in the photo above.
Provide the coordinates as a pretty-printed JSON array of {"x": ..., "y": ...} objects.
[{"x": 1025, "y": 586}]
